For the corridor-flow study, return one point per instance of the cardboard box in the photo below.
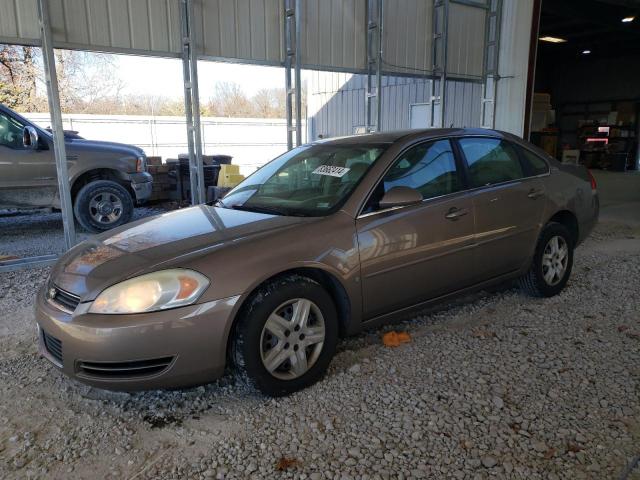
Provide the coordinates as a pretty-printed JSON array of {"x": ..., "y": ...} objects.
[
  {"x": 230, "y": 180},
  {"x": 571, "y": 156}
]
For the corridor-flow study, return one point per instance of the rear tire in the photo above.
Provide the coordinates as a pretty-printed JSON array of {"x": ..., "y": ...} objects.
[
  {"x": 101, "y": 205},
  {"x": 271, "y": 350},
  {"x": 552, "y": 262}
]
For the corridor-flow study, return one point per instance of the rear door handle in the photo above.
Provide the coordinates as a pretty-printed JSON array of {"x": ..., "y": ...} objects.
[
  {"x": 456, "y": 213},
  {"x": 535, "y": 193}
]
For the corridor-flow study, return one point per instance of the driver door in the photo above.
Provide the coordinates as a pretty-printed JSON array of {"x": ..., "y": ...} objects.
[
  {"x": 412, "y": 254},
  {"x": 21, "y": 167}
]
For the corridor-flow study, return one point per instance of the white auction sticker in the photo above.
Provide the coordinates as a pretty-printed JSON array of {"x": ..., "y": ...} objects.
[{"x": 331, "y": 170}]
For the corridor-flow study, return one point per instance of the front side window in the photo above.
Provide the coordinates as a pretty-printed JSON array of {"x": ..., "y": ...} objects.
[
  {"x": 10, "y": 132},
  {"x": 490, "y": 161},
  {"x": 536, "y": 165},
  {"x": 429, "y": 168},
  {"x": 312, "y": 180}
]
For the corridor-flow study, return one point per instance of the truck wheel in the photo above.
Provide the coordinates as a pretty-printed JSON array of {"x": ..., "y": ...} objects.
[{"x": 101, "y": 205}]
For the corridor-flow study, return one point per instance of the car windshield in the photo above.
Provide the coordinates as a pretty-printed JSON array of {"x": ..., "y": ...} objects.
[{"x": 312, "y": 180}]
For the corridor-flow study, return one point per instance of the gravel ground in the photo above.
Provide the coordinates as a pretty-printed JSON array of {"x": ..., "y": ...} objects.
[
  {"x": 40, "y": 232},
  {"x": 495, "y": 385}
]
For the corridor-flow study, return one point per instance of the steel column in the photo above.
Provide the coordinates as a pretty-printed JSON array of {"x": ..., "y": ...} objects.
[
  {"x": 298, "y": 73},
  {"x": 491, "y": 55},
  {"x": 192, "y": 104},
  {"x": 374, "y": 65},
  {"x": 292, "y": 70},
  {"x": 439, "y": 56},
  {"x": 379, "y": 65},
  {"x": 59, "y": 149}
]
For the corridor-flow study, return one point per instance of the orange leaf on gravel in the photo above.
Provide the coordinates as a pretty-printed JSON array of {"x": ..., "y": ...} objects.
[
  {"x": 394, "y": 339},
  {"x": 286, "y": 463}
]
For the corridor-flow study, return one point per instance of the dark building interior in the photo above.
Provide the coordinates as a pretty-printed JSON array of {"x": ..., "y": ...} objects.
[{"x": 587, "y": 83}]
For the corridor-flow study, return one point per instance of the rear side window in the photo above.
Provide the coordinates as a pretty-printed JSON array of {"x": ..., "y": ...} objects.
[
  {"x": 490, "y": 161},
  {"x": 535, "y": 164}
]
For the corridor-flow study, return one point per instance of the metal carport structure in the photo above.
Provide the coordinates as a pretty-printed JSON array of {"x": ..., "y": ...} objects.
[{"x": 449, "y": 39}]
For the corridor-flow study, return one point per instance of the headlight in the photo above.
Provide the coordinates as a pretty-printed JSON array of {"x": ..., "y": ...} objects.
[
  {"x": 154, "y": 291},
  {"x": 141, "y": 164}
]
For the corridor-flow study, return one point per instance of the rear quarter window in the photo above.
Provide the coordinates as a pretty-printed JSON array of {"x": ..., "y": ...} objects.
[{"x": 535, "y": 164}]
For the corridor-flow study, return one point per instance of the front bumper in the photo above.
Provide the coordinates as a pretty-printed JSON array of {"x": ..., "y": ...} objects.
[
  {"x": 142, "y": 185},
  {"x": 184, "y": 346}
]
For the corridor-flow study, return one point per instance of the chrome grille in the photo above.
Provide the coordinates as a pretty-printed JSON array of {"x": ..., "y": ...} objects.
[{"x": 65, "y": 301}]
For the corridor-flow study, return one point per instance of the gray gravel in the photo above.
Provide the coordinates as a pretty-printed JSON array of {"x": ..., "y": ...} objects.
[{"x": 496, "y": 385}]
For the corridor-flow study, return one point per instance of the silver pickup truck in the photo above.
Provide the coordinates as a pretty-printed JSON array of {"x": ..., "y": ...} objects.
[{"x": 107, "y": 179}]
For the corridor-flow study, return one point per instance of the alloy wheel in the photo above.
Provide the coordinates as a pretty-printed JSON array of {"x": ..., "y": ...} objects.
[
  {"x": 105, "y": 208},
  {"x": 292, "y": 338},
  {"x": 555, "y": 259}
]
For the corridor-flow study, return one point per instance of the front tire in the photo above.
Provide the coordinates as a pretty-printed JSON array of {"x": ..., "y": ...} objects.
[
  {"x": 102, "y": 205},
  {"x": 286, "y": 336},
  {"x": 552, "y": 262}
]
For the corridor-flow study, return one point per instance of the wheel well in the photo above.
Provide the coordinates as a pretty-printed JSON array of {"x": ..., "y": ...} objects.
[
  {"x": 569, "y": 220},
  {"x": 327, "y": 280},
  {"x": 99, "y": 174}
]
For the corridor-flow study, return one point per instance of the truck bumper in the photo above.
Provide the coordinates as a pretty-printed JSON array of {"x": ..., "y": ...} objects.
[{"x": 142, "y": 185}]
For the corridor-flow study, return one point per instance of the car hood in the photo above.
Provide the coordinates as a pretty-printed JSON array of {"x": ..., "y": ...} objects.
[
  {"x": 81, "y": 144},
  {"x": 158, "y": 242}
]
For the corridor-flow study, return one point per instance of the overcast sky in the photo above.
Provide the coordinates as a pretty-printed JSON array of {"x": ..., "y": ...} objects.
[{"x": 163, "y": 77}]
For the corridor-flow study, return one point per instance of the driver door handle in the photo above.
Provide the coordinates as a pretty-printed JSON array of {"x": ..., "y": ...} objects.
[{"x": 456, "y": 213}]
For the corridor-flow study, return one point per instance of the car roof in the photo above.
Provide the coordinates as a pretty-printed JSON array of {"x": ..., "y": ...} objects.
[{"x": 409, "y": 135}]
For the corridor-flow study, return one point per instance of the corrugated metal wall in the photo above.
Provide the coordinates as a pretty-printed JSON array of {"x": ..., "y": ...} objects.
[
  {"x": 465, "y": 40},
  {"x": 336, "y": 102},
  {"x": 397, "y": 94},
  {"x": 143, "y": 26},
  {"x": 463, "y": 104},
  {"x": 241, "y": 29},
  {"x": 333, "y": 37},
  {"x": 18, "y": 21},
  {"x": 333, "y": 31},
  {"x": 407, "y": 35}
]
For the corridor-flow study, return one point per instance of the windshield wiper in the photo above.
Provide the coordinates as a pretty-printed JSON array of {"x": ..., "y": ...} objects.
[{"x": 267, "y": 210}]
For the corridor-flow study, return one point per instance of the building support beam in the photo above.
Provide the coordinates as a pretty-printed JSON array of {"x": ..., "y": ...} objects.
[
  {"x": 491, "y": 57},
  {"x": 439, "y": 55},
  {"x": 192, "y": 103},
  {"x": 373, "y": 98},
  {"x": 292, "y": 70},
  {"x": 59, "y": 149}
]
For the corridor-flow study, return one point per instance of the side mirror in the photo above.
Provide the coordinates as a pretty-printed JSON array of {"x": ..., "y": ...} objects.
[
  {"x": 30, "y": 138},
  {"x": 400, "y": 197}
]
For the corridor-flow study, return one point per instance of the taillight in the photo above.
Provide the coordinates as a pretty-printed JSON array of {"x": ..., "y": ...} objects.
[{"x": 592, "y": 179}]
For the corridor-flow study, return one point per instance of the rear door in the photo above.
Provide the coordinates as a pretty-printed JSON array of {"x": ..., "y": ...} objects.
[
  {"x": 508, "y": 204},
  {"x": 414, "y": 253}
]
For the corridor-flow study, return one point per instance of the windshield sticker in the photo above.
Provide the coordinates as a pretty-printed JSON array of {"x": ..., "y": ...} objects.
[{"x": 331, "y": 170}]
